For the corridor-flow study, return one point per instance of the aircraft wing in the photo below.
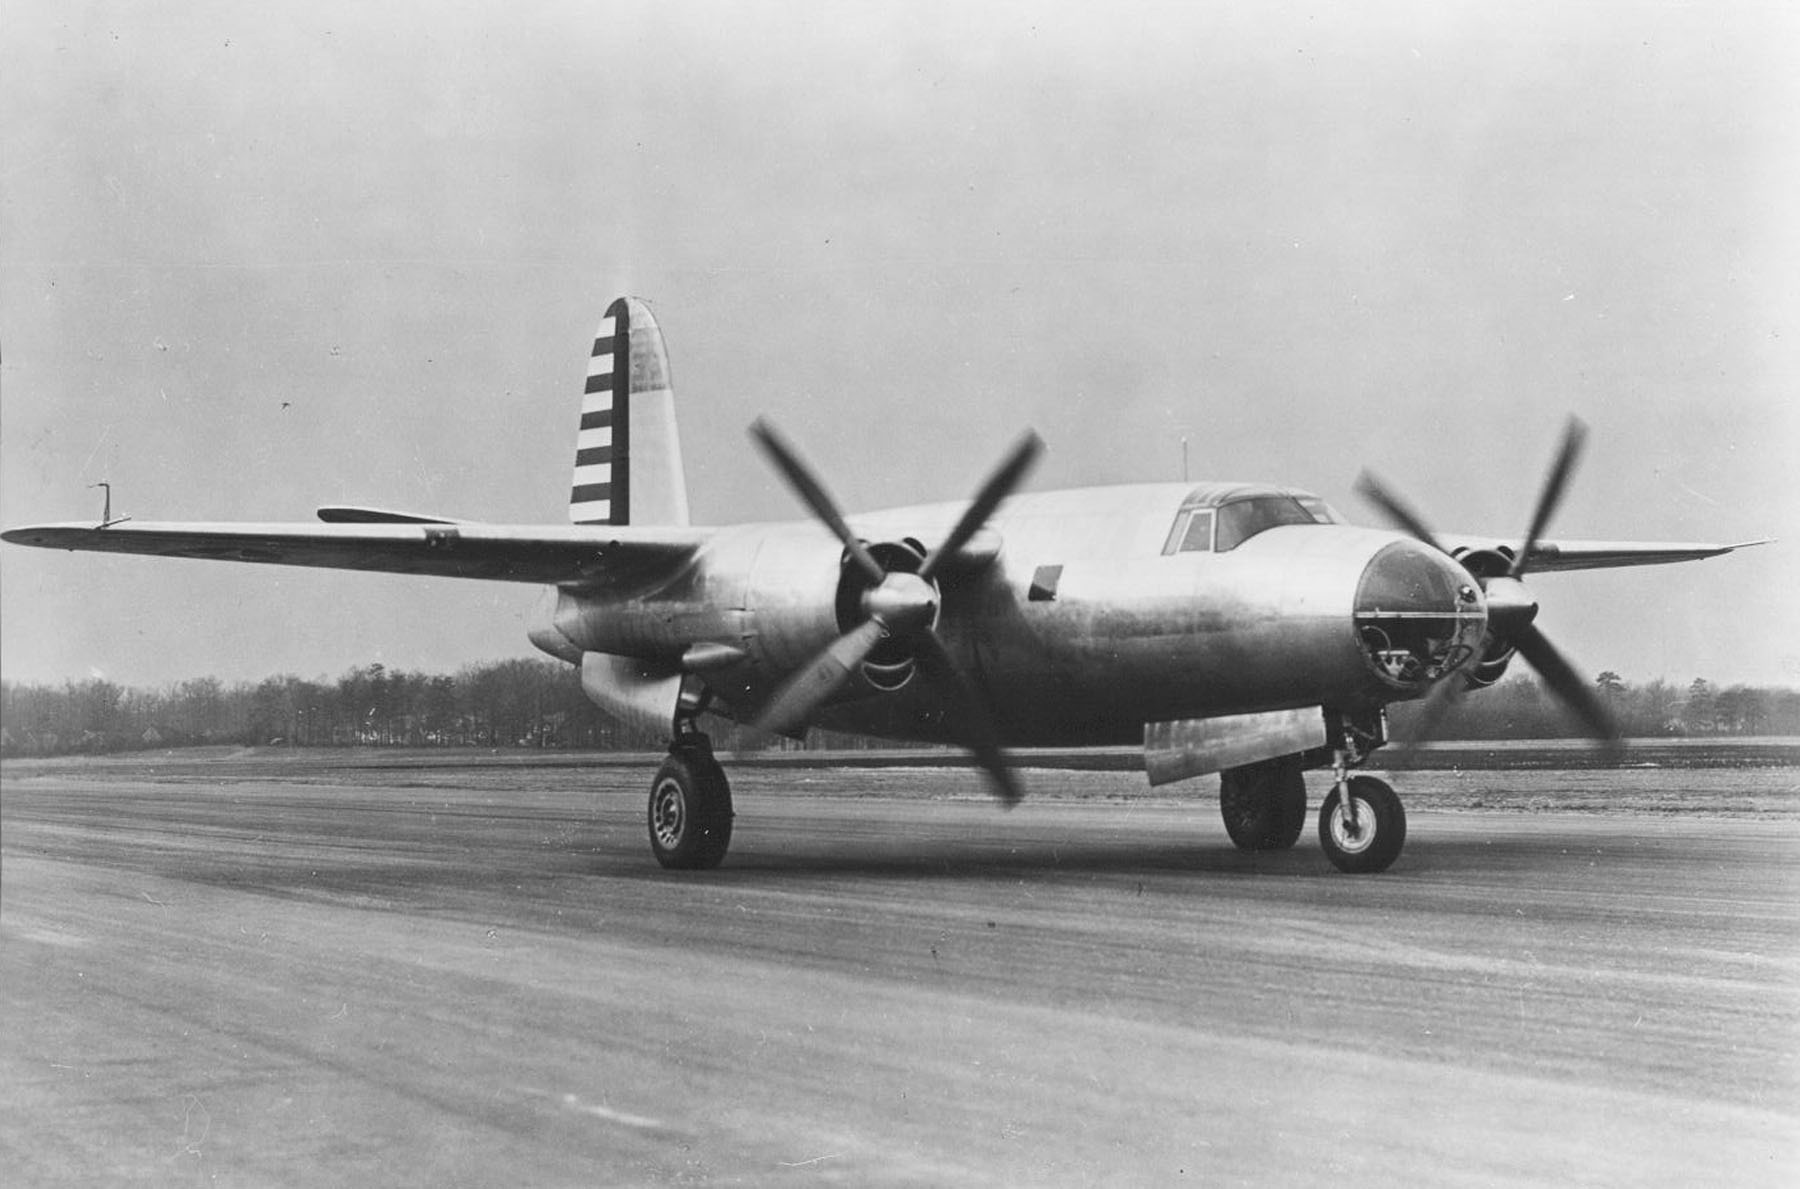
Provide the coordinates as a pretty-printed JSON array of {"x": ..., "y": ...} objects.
[
  {"x": 1596, "y": 555},
  {"x": 603, "y": 557}
]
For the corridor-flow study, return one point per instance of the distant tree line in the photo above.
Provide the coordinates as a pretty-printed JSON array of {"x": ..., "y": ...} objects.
[
  {"x": 1521, "y": 707},
  {"x": 514, "y": 703},
  {"x": 539, "y": 703},
  {"x": 517, "y": 703}
]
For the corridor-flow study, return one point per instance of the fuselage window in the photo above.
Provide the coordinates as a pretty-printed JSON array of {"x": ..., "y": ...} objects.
[{"x": 1240, "y": 521}]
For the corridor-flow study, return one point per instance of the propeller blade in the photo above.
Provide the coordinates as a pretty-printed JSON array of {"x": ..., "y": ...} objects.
[
  {"x": 822, "y": 677},
  {"x": 976, "y": 730},
  {"x": 1397, "y": 510},
  {"x": 1444, "y": 697},
  {"x": 999, "y": 485},
  {"x": 1566, "y": 683},
  {"x": 812, "y": 493},
  {"x": 1574, "y": 434}
]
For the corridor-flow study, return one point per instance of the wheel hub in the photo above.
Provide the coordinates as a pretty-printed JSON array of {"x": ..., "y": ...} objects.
[
  {"x": 669, "y": 814},
  {"x": 1353, "y": 836}
]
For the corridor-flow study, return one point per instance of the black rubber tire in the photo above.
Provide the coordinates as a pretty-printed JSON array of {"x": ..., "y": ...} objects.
[
  {"x": 1382, "y": 828},
  {"x": 1264, "y": 804},
  {"x": 690, "y": 810}
]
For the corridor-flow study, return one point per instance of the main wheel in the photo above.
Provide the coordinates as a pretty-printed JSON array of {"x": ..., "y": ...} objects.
[
  {"x": 690, "y": 810},
  {"x": 1264, "y": 805},
  {"x": 1374, "y": 842}
]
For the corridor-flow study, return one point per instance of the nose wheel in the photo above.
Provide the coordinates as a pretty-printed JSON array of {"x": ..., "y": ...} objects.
[{"x": 1362, "y": 825}]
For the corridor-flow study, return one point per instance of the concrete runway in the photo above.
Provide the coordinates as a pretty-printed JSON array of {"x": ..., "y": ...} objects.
[{"x": 281, "y": 972}]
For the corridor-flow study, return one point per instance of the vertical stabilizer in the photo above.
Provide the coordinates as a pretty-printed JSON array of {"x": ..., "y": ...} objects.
[{"x": 627, "y": 452}]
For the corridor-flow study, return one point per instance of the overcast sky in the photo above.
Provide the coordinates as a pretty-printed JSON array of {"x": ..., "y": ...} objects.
[{"x": 259, "y": 257}]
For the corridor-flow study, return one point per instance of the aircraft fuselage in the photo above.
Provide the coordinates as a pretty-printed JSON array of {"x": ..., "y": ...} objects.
[{"x": 1079, "y": 629}]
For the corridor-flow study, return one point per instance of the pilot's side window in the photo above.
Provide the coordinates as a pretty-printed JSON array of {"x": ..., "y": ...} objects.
[{"x": 1196, "y": 535}]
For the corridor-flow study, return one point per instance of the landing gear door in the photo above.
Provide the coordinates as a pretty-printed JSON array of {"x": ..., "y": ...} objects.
[
  {"x": 641, "y": 693},
  {"x": 1196, "y": 746}
]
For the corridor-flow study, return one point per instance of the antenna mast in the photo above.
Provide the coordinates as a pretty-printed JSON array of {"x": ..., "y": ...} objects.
[{"x": 106, "y": 516}]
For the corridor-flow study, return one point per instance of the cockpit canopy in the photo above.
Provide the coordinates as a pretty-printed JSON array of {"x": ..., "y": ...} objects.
[{"x": 1218, "y": 517}]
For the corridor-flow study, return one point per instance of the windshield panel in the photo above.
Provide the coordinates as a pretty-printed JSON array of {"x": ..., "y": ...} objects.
[
  {"x": 1322, "y": 512},
  {"x": 1240, "y": 521}
]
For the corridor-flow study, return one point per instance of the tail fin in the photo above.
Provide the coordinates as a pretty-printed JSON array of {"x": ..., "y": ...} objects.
[{"x": 628, "y": 453}]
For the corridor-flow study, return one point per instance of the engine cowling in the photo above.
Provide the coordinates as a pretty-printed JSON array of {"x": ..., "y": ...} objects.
[
  {"x": 1491, "y": 666},
  {"x": 1489, "y": 566}
]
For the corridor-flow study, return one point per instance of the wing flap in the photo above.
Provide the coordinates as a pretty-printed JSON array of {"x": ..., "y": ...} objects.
[
  {"x": 355, "y": 514},
  {"x": 597, "y": 557}
]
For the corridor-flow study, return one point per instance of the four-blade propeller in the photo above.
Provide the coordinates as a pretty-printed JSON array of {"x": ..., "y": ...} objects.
[
  {"x": 898, "y": 604},
  {"x": 1511, "y": 609}
]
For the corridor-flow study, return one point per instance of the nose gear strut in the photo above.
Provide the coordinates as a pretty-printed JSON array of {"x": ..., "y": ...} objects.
[{"x": 1362, "y": 824}]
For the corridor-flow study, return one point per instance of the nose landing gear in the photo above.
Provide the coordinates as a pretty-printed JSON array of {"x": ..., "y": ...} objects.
[{"x": 1362, "y": 825}]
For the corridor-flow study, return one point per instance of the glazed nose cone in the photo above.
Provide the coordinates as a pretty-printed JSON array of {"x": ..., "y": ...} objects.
[{"x": 1419, "y": 615}]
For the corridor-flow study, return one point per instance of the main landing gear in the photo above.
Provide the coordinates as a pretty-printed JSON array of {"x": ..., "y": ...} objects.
[
  {"x": 690, "y": 807},
  {"x": 1264, "y": 805}
]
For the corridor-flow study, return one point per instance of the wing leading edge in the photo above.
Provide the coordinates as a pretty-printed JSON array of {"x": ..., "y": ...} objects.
[
  {"x": 605, "y": 557},
  {"x": 1597, "y": 555}
]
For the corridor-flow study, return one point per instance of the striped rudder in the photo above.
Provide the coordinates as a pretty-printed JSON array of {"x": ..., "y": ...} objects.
[
  {"x": 605, "y": 407},
  {"x": 627, "y": 452}
]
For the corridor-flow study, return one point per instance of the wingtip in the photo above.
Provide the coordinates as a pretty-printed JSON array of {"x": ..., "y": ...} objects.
[{"x": 46, "y": 535}]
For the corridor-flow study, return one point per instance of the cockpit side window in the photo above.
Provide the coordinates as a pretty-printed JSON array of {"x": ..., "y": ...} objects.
[
  {"x": 1240, "y": 521},
  {"x": 1197, "y": 537},
  {"x": 1192, "y": 532}
]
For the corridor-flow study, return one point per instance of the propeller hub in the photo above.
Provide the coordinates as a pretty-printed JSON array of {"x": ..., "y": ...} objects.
[
  {"x": 1510, "y": 606},
  {"x": 903, "y": 602}
]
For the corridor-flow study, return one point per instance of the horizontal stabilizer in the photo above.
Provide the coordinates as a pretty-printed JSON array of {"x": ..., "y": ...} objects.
[{"x": 351, "y": 514}]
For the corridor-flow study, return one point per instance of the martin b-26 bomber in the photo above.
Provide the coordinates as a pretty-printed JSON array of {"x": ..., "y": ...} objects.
[{"x": 1238, "y": 628}]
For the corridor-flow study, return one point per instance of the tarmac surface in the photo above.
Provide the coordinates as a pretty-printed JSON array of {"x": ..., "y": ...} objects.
[{"x": 285, "y": 972}]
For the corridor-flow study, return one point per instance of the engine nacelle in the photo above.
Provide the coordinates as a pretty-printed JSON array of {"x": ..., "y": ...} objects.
[{"x": 1485, "y": 563}]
